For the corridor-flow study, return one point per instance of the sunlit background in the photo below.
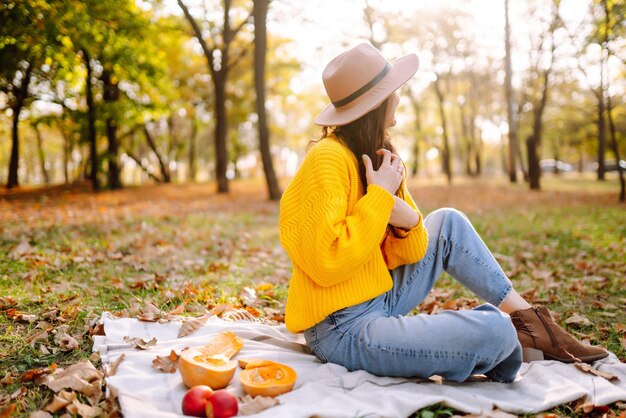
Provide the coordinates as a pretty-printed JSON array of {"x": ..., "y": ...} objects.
[{"x": 164, "y": 118}]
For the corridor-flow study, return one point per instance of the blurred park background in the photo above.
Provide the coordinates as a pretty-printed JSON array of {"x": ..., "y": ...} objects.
[{"x": 128, "y": 92}]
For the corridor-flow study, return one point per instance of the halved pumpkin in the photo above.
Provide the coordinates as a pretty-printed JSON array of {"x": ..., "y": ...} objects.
[
  {"x": 211, "y": 364},
  {"x": 266, "y": 378}
]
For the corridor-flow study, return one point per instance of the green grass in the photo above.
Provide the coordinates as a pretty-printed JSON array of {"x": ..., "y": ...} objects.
[{"x": 206, "y": 255}]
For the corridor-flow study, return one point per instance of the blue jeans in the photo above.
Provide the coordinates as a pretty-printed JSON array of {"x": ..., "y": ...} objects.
[{"x": 377, "y": 337}]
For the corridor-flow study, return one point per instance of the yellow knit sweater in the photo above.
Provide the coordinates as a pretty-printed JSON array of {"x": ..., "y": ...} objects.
[{"x": 336, "y": 236}]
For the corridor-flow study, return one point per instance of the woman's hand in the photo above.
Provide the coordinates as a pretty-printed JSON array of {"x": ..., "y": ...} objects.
[
  {"x": 402, "y": 215},
  {"x": 389, "y": 174}
]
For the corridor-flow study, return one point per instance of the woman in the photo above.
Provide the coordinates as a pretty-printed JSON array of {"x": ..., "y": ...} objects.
[{"x": 363, "y": 257}]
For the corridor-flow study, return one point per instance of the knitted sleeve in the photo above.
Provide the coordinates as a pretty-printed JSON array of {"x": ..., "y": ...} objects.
[
  {"x": 319, "y": 232},
  {"x": 412, "y": 247}
]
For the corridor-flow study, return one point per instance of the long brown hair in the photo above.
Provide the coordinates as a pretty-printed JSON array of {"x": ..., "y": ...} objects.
[{"x": 366, "y": 135}]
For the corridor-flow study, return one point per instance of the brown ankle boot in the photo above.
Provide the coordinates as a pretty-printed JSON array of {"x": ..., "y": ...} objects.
[{"x": 542, "y": 338}]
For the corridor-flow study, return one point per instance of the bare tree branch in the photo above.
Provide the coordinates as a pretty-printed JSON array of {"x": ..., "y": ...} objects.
[
  {"x": 236, "y": 30},
  {"x": 207, "y": 49},
  {"x": 152, "y": 145},
  {"x": 242, "y": 53},
  {"x": 143, "y": 167}
]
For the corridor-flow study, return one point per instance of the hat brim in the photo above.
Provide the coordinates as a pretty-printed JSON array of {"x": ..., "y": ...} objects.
[{"x": 401, "y": 71}]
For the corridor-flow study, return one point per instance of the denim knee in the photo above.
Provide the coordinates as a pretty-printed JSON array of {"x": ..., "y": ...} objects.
[
  {"x": 445, "y": 216},
  {"x": 500, "y": 328}
]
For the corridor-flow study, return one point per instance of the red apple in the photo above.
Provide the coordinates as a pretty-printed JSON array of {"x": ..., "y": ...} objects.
[
  {"x": 195, "y": 401},
  {"x": 221, "y": 404}
]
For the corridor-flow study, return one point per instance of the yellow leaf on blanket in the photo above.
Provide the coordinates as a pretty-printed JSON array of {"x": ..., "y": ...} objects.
[
  {"x": 140, "y": 343},
  {"x": 588, "y": 369},
  {"x": 192, "y": 325},
  {"x": 167, "y": 364},
  {"x": 112, "y": 369}
]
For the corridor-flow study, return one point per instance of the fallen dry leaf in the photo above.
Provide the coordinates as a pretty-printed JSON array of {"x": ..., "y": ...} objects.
[
  {"x": 112, "y": 369},
  {"x": 7, "y": 379},
  {"x": 578, "y": 319},
  {"x": 64, "y": 340},
  {"x": 60, "y": 401},
  {"x": 436, "y": 378},
  {"x": 589, "y": 407},
  {"x": 249, "y": 405},
  {"x": 19, "y": 393},
  {"x": 151, "y": 313},
  {"x": 8, "y": 411},
  {"x": 82, "y": 377},
  {"x": 38, "y": 336},
  {"x": 21, "y": 249},
  {"x": 248, "y": 296},
  {"x": 588, "y": 369},
  {"x": 192, "y": 325},
  {"x": 33, "y": 374},
  {"x": 140, "y": 343},
  {"x": 16, "y": 315},
  {"x": 84, "y": 410},
  {"x": 7, "y": 302},
  {"x": 178, "y": 310},
  {"x": 39, "y": 414},
  {"x": 167, "y": 364}
]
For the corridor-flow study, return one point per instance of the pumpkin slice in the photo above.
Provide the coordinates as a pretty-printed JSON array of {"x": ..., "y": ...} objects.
[
  {"x": 266, "y": 378},
  {"x": 211, "y": 364}
]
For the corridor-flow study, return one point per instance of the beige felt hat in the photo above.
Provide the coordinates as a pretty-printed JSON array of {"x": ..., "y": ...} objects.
[{"x": 359, "y": 80}]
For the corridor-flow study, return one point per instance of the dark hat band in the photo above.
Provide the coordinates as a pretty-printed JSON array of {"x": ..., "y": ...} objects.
[{"x": 365, "y": 88}]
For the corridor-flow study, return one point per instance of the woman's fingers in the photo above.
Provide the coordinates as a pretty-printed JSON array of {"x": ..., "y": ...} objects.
[
  {"x": 386, "y": 156},
  {"x": 396, "y": 161},
  {"x": 389, "y": 158},
  {"x": 367, "y": 163}
]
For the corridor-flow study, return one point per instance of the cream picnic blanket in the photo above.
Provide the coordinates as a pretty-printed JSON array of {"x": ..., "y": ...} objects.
[{"x": 329, "y": 390}]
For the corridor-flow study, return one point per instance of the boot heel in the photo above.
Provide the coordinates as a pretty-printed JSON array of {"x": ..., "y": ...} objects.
[{"x": 531, "y": 354}]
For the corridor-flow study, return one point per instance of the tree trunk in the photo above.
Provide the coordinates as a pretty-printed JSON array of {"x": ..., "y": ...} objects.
[
  {"x": 91, "y": 123},
  {"x": 510, "y": 98},
  {"x": 534, "y": 172},
  {"x": 601, "y": 135},
  {"x": 477, "y": 143},
  {"x": 614, "y": 146},
  {"x": 418, "y": 130},
  {"x": 221, "y": 130},
  {"x": 67, "y": 149},
  {"x": 21, "y": 95},
  {"x": 533, "y": 143},
  {"x": 260, "y": 50},
  {"x": 465, "y": 137},
  {"x": 110, "y": 96},
  {"x": 192, "y": 149},
  {"x": 41, "y": 155},
  {"x": 445, "y": 154},
  {"x": 533, "y": 162}
]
